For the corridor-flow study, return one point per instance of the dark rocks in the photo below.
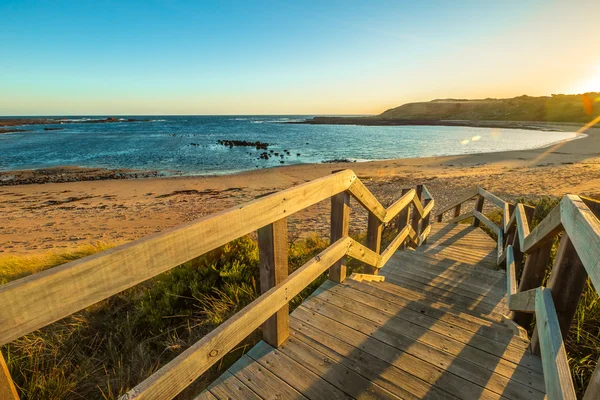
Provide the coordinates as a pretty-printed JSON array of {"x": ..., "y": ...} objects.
[
  {"x": 243, "y": 143},
  {"x": 53, "y": 129},
  {"x": 338, "y": 160}
]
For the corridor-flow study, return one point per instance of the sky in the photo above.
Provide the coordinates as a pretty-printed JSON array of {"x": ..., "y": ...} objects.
[{"x": 287, "y": 57}]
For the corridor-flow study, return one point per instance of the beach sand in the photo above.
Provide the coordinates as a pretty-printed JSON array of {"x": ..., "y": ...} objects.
[{"x": 41, "y": 217}]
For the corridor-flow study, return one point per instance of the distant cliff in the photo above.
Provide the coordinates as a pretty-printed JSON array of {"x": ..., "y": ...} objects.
[{"x": 555, "y": 108}]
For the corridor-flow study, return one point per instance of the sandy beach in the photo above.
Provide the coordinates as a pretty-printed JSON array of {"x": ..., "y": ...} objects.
[{"x": 42, "y": 217}]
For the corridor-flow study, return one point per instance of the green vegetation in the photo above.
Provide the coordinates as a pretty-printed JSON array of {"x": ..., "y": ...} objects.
[
  {"x": 555, "y": 108},
  {"x": 108, "y": 348}
]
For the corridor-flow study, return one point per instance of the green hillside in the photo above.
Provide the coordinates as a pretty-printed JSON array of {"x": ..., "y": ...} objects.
[{"x": 555, "y": 108}]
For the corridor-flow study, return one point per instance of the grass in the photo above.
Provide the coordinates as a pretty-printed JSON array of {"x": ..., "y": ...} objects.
[{"x": 105, "y": 350}]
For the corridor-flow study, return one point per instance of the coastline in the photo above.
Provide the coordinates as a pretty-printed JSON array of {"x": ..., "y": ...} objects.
[
  {"x": 69, "y": 173},
  {"x": 52, "y": 216}
]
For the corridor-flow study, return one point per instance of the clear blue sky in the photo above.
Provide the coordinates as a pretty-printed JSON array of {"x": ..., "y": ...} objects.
[{"x": 277, "y": 57}]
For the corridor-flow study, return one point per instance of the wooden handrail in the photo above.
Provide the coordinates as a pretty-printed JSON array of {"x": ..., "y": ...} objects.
[{"x": 35, "y": 301}]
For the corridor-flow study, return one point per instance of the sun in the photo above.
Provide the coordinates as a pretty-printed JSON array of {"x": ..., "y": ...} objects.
[{"x": 590, "y": 83}]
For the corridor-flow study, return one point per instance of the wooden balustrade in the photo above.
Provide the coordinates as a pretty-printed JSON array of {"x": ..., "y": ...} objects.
[
  {"x": 35, "y": 301},
  {"x": 578, "y": 257}
]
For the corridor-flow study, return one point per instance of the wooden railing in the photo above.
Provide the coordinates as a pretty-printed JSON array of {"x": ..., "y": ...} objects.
[
  {"x": 38, "y": 300},
  {"x": 554, "y": 306}
]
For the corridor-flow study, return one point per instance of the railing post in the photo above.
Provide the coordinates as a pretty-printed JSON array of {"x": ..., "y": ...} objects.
[
  {"x": 374, "y": 229},
  {"x": 416, "y": 217},
  {"x": 273, "y": 253},
  {"x": 456, "y": 211},
  {"x": 340, "y": 217},
  {"x": 516, "y": 242},
  {"x": 508, "y": 236},
  {"x": 567, "y": 281},
  {"x": 403, "y": 218},
  {"x": 7, "y": 387},
  {"x": 478, "y": 207},
  {"x": 532, "y": 277},
  {"x": 426, "y": 219}
]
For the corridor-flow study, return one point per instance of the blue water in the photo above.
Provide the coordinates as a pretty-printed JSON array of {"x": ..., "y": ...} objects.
[{"x": 165, "y": 143}]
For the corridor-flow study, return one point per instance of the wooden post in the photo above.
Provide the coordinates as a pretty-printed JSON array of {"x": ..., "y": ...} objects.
[
  {"x": 425, "y": 222},
  {"x": 7, "y": 387},
  {"x": 593, "y": 390},
  {"x": 478, "y": 207},
  {"x": 416, "y": 217},
  {"x": 439, "y": 218},
  {"x": 340, "y": 217},
  {"x": 273, "y": 253},
  {"x": 567, "y": 281},
  {"x": 533, "y": 275},
  {"x": 508, "y": 237},
  {"x": 403, "y": 218},
  {"x": 374, "y": 229},
  {"x": 457, "y": 210}
]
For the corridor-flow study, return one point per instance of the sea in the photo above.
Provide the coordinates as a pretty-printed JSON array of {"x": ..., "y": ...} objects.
[{"x": 188, "y": 145}]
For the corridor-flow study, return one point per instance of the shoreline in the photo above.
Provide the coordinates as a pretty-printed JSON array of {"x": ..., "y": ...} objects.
[
  {"x": 73, "y": 173},
  {"x": 42, "y": 217}
]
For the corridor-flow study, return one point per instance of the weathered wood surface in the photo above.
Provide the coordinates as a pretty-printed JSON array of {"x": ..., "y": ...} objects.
[
  {"x": 171, "y": 379},
  {"x": 557, "y": 374},
  {"x": 374, "y": 230},
  {"x": 478, "y": 208},
  {"x": 273, "y": 253},
  {"x": 340, "y": 220},
  {"x": 456, "y": 205},
  {"x": 433, "y": 329},
  {"x": 40, "y": 299}
]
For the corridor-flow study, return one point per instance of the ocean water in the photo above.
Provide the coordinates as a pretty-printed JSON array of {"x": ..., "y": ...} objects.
[{"x": 188, "y": 144}]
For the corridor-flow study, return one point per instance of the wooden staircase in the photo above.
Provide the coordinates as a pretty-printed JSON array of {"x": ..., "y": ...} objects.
[
  {"x": 433, "y": 329},
  {"x": 434, "y": 316}
]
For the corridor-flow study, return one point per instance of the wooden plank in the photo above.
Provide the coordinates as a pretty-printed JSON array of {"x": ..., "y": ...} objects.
[
  {"x": 557, "y": 375},
  {"x": 273, "y": 254},
  {"x": 404, "y": 215},
  {"x": 377, "y": 371},
  {"x": 374, "y": 230},
  {"x": 262, "y": 381},
  {"x": 450, "y": 338},
  {"x": 399, "y": 205},
  {"x": 425, "y": 227},
  {"x": 7, "y": 387},
  {"x": 417, "y": 209},
  {"x": 478, "y": 208},
  {"x": 491, "y": 197},
  {"x": 395, "y": 244},
  {"x": 340, "y": 376},
  {"x": 567, "y": 281},
  {"x": 364, "y": 254},
  {"x": 456, "y": 211},
  {"x": 593, "y": 390},
  {"x": 466, "y": 197},
  {"x": 522, "y": 224},
  {"x": 523, "y": 302},
  {"x": 35, "y": 301},
  {"x": 429, "y": 373},
  {"x": 544, "y": 231},
  {"x": 426, "y": 194},
  {"x": 172, "y": 378},
  {"x": 583, "y": 229},
  {"x": 396, "y": 337},
  {"x": 439, "y": 311},
  {"x": 367, "y": 277},
  {"x": 229, "y": 387},
  {"x": 340, "y": 220},
  {"x": 532, "y": 277},
  {"x": 294, "y": 374},
  {"x": 462, "y": 217},
  {"x": 364, "y": 196},
  {"x": 486, "y": 221}
]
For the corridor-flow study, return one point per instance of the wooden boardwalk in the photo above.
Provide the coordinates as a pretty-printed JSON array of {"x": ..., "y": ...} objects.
[{"x": 433, "y": 329}]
